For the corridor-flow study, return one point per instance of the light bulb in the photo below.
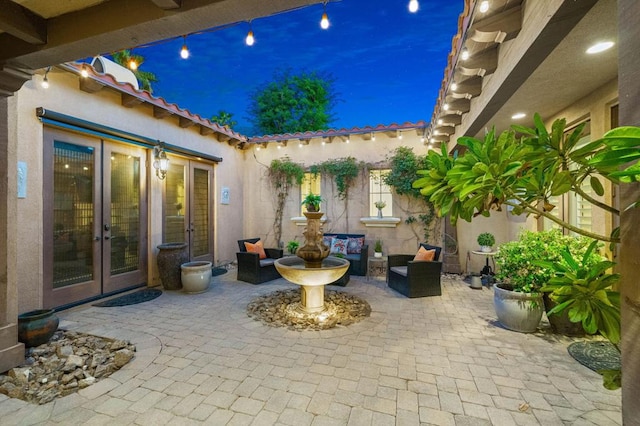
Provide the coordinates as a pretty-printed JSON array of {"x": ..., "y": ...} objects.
[
  {"x": 250, "y": 39},
  {"x": 184, "y": 52},
  {"x": 324, "y": 22},
  {"x": 484, "y": 6},
  {"x": 133, "y": 64},
  {"x": 445, "y": 107},
  {"x": 400, "y": 135},
  {"x": 413, "y": 6},
  {"x": 45, "y": 83},
  {"x": 464, "y": 55},
  {"x": 440, "y": 121},
  {"x": 454, "y": 86},
  {"x": 84, "y": 72}
]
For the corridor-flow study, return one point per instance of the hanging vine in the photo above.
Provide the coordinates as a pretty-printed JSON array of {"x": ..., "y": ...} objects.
[
  {"x": 283, "y": 174},
  {"x": 344, "y": 172},
  {"x": 421, "y": 214}
]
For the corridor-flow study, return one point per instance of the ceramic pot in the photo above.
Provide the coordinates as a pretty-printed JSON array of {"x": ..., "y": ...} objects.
[
  {"x": 517, "y": 311},
  {"x": 485, "y": 249},
  {"x": 377, "y": 254},
  {"x": 170, "y": 257},
  {"x": 196, "y": 276},
  {"x": 37, "y": 327},
  {"x": 560, "y": 323}
]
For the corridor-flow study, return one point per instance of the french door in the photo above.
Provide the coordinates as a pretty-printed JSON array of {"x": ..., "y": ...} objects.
[
  {"x": 95, "y": 217},
  {"x": 188, "y": 208}
]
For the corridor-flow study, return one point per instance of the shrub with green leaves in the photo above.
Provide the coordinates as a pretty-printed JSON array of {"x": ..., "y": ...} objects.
[{"x": 516, "y": 259}]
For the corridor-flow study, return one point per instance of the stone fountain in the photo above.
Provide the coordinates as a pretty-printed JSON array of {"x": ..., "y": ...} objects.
[{"x": 311, "y": 269}]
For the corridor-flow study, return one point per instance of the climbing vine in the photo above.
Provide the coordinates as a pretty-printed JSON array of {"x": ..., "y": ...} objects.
[
  {"x": 404, "y": 166},
  {"x": 344, "y": 172},
  {"x": 283, "y": 174}
]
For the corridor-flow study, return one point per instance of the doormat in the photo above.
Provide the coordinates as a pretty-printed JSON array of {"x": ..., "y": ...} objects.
[
  {"x": 596, "y": 355},
  {"x": 218, "y": 271},
  {"x": 140, "y": 296}
]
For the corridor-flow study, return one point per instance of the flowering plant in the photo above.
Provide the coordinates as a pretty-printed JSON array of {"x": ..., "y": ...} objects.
[
  {"x": 517, "y": 260},
  {"x": 380, "y": 204}
]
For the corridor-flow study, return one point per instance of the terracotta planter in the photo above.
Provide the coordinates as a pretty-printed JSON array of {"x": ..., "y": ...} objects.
[
  {"x": 170, "y": 257},
  {"x": 37, "y": 327},
  {"x": 517, "y": 311}
]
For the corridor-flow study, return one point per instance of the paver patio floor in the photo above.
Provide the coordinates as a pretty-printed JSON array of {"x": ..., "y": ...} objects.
[{"x": 436, "y": 360}]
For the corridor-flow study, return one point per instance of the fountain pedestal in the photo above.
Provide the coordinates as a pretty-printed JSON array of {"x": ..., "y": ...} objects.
[{"x": 311, "y": 269}]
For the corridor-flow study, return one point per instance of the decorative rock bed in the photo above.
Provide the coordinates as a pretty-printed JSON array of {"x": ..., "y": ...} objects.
[
  {"x": 277, "y": 309},
  {"x": 68, "y": 362}
]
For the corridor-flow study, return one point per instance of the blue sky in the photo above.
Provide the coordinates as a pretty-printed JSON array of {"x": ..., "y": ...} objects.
[{"x": 387, "y": 63}]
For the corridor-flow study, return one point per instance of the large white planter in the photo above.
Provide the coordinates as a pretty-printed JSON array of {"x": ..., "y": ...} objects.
[
  {"x": 518, "y": 311},
  {"x": 196, "y": 276}
]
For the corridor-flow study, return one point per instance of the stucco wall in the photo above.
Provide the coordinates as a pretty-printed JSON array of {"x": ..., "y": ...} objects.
[
  {"x": 259, "y": 202},
  {"x": 104, "y": 107}
]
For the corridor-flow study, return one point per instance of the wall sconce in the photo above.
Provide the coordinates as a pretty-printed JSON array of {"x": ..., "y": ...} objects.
[{"x": 160, "y": 162}]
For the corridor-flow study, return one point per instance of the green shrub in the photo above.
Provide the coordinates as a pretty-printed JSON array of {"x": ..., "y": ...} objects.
[
  {"x": 515, "y": 259},
  {"x": 486, "y": 239}
]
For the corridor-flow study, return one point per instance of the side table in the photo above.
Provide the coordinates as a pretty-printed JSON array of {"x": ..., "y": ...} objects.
[
  {"x": 377, "y": 266},
  {"x": 487, "y": 254}
]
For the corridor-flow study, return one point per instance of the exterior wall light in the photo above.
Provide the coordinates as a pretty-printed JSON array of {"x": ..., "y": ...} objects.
[{"x": 160, "y": 162}]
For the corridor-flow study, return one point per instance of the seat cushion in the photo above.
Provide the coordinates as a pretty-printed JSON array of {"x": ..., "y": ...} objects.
[
  {"x": 266, "y": 262},
  {"x": 401, "y": 270}
]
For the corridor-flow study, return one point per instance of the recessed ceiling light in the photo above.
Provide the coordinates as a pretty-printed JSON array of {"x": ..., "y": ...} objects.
[
  {"x": 518, "y": 115},
  {"x": 600, "y": 47}
]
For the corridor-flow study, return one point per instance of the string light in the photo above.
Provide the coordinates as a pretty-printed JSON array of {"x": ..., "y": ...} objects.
[
  {"x": 45, "y": 80},
  {"x": 454, "y": 86},
  {"x": 324, "y": 22},
  {"x": 484, "y": 6},
  {"x": 445, "y": 107},
  {"x": 464, "y": 55},
  {"x": 184, "y": 52},
  {"x": 413, "y": 6},
  {"x": 133, "y": 65},
  {"x": 250, "y": 39},
  {"x": 84, "y": 72}
]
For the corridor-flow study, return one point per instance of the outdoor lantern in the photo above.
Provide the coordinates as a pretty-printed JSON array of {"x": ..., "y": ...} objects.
[{"x": 160, "y": 162}]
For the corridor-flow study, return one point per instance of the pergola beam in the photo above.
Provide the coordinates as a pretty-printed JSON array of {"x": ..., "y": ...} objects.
[{"x": 22, "y": 23}]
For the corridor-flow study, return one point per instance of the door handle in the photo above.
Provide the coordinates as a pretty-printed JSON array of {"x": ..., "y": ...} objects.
[
  {"x": 107, "y": 227},
  {"x": 106, "y": 237},
  {"x": 97, "y": 238}
]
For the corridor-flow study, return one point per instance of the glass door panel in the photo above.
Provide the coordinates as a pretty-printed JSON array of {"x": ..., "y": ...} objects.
[
  {"x": 123, "y": 221},
  {"x": 200, "y": 213},
  {"x": 188, "y": 207},
  {"x": 71, "y": 201},
  {"x": 175, "y": 224}
]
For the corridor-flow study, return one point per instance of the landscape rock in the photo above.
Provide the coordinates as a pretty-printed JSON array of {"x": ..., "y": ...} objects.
[{"x": 68, "y": 362}]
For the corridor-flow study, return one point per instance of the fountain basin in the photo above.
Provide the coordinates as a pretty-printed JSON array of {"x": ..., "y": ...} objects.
[
  {"x": 292, "y": 269},
  {"x": 311, "y": 280}
]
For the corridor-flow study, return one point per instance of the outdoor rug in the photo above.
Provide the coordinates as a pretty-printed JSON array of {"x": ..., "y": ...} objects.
[
  {"x": 595, "y": 355},
  {"x": 140, "y": 296},
  {"x": 218, "y": 271}
]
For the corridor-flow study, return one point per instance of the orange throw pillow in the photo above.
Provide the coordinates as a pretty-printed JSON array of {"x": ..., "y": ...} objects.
[
  {"x": 424, "y": 254},
  {"x": 256, "y": 248}
]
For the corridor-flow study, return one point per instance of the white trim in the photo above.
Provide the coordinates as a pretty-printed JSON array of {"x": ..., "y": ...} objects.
[
  {"x": 302, "y": 221},
  {"x": 385, "y": 222}
]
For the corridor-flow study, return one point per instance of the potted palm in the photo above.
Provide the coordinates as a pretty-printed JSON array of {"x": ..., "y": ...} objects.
[
  {"x": 312, "y": 202},
  {"x": 486, "y": 241}
]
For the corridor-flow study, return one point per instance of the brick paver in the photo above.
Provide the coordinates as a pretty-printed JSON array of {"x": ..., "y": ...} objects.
[{"x": 436, "y": 360}]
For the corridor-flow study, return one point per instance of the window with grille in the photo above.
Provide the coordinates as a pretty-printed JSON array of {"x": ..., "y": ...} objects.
[
  {"x": 310, "y": 185},
  {"x": 379, "y": 192}
]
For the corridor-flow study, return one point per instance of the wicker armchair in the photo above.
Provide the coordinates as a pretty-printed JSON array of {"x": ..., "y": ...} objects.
[
  {"x": 415, "y": 278},
  {"x": 253, "y": 270}
]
